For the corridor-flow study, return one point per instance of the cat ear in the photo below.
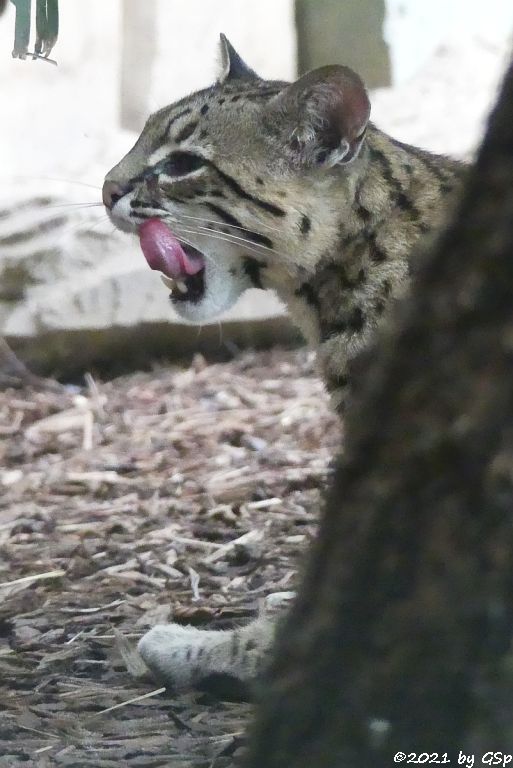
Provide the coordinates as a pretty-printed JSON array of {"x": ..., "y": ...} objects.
[
  {"x": 232, "y": 66},
  {"x": 325, "y": 114}
]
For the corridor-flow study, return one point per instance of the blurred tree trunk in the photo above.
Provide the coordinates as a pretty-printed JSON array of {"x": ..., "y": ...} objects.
[{"x": 401, "y": 637}]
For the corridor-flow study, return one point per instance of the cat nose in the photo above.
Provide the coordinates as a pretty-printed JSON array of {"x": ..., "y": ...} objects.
[{"x": 111, "y": 193}]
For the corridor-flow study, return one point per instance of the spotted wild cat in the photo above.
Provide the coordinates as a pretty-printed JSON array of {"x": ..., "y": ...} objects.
[{"x": 285, "y": 187}]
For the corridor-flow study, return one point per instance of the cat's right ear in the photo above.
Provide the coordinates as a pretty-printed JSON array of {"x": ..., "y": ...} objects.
[
  {"x": 232, "y": 66},
  {"x": 322, "y": 117}
]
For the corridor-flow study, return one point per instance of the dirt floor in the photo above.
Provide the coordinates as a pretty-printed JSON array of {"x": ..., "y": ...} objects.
[{"x": 121, "y": 505}]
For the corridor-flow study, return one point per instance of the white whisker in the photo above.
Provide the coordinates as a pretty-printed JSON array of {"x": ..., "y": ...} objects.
[
  {"x": 232, "y": 226},
  {"x": 233, "y": 239},
  {"x": 248, "y": 246},
  {"x": 215, "y": 221},
  {"x": 204, "y": 231}
]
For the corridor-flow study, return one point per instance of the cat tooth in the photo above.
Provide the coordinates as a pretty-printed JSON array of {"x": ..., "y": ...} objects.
[
  {"x": 168, "y": 281},
  {"x": 181, "y": 286}
]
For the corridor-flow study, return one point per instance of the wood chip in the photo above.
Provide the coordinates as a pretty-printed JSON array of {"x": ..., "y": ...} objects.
[{"x": 150, "y": 499}]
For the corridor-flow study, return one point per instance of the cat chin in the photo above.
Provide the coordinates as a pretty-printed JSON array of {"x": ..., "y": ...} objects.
[
  {"x": 207, "y": 309},
  {"x": 222, "y": 289}
]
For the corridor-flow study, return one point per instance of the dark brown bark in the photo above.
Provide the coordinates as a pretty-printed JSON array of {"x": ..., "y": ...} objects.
[{"x": 401, "y": 637}]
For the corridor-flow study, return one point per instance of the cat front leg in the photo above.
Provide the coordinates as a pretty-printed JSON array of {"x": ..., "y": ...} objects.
[{"x": 223, "y": 662}]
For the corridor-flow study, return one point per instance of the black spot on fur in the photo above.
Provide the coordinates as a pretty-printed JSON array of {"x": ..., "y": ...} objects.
[
  {"x": 295, "y": 144},
  {"x": 328, "y": 330},
  {"x": 446, "y": 187},
  {"x": 186, "y": 131},
  {"x": 175, "y": 118},
  {"x": 334, "y": 271},
  {"x": 252, "y": 268},
  {"x": 405, "y": 204},
  {"x": 203, "y": 133},
  {"x": 235, "y": 187},
  {"x": 402, "y": 200},
  {"x": 248, "y": 234},
  {"x": 235, "y": 98},
  {"x": 305, "y": 225},
  {"x": 363, "y": 214},
  {"x": 235, "y": 646},
  {"x": 251, "y": 645},
  {"x": 380, "y": 306},
  {"x": 259, "y": 180},
  {"x": 344, "y": 279},
  {"x": 221, "y": 101},
  {"x": 377, "y": 253},
  {"x": 356, "y": 319},
  {"x": 307, "y": 292},
  {"x": 348, "y": 240},
  {"x": 225, "y": 216},
  {"x": 204, "y": 109}
]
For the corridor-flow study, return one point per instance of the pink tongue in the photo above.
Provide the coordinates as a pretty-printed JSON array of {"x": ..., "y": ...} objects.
[{"x": 163, "y": 252}]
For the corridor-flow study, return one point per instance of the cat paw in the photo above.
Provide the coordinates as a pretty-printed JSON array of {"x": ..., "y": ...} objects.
[
  {"x": 222, "y": 662},
  {"x": 173, "y": 653}
]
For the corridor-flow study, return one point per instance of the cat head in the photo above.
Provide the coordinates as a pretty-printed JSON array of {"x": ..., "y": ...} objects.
[{"x": 230, "y": 188}]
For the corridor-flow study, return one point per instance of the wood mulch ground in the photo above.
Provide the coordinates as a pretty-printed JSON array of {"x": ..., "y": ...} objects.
[{"x": 181, "y": 493}]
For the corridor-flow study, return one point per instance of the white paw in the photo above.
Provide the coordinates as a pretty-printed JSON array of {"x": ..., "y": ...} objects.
[
  {"x": 174, "y": 652},
  {"x": 186, "y": 657},
  {"x": 277, "y": 601}
]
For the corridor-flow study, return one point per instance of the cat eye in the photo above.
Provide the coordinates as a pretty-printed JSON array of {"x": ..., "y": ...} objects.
[{"x": 181, "y": 163}]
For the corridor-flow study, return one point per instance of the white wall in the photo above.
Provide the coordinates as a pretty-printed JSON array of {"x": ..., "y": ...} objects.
[
  {"x": 64, "y": 121},
  {"x": 414, "y": 29},
  {"x": 448, "y": 57},
  {"x": 55, "y": 120},
  {"x": 187, "y": 45}
]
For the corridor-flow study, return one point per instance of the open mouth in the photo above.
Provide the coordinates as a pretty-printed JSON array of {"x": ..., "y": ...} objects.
[
  {"x": 182, "y": 266},
  {"x": 191, "y": 288}
]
